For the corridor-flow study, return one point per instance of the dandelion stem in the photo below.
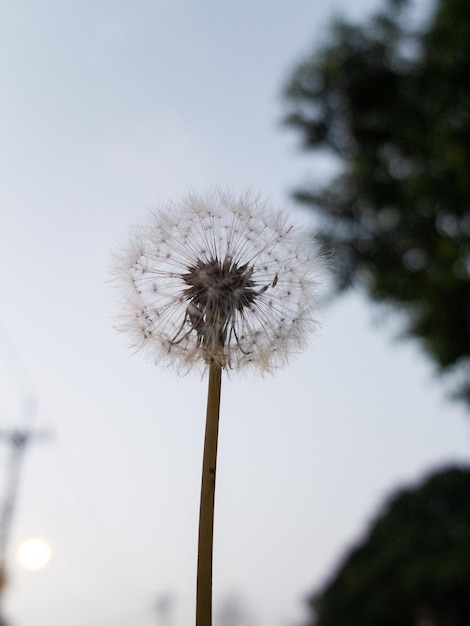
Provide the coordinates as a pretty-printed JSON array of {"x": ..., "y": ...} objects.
[{"x": 206, "y": 511}]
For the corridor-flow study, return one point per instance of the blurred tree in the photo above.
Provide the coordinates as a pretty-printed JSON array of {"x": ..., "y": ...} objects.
[
  {"x": 413, "y": 568},
  {"x": 393, "y": 105}
]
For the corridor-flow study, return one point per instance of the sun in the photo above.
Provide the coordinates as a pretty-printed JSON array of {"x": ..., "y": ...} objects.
[{"x": 34, "y": 554}]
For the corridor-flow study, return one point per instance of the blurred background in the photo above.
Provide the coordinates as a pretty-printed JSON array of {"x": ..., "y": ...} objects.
[{"x": 108, "y": 109}]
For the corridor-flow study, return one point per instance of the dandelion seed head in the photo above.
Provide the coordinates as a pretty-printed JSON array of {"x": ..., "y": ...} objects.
[{"x": 218, "y": 279}]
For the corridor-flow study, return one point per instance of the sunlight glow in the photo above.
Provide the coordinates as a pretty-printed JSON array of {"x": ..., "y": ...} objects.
[{"x": 34, "y": 554}]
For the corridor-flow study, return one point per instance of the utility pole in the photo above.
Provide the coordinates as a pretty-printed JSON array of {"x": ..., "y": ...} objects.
[
  {"x": 17, "y": 439},
  {"x": 163, "y": 608}
]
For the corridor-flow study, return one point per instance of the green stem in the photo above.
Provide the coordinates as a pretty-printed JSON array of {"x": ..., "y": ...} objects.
[{"x": 206, "y": 511}]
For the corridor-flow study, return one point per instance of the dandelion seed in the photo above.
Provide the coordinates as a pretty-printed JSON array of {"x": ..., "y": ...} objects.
[{"x": 214, "y": 278}]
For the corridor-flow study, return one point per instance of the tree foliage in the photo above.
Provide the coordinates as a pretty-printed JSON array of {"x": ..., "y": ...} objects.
[
  {"x": 393, "y": 105},
  {"x": 414, "y": 565}
]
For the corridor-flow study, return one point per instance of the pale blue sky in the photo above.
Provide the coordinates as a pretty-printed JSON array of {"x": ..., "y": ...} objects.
[{"x": 109, "y": 108}]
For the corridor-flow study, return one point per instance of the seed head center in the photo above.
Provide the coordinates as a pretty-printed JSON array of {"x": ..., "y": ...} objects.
[{"x": 219, "y": 288}]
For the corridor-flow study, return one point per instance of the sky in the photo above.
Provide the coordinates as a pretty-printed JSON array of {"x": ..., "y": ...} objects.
[{"x": 108, "y": 109}]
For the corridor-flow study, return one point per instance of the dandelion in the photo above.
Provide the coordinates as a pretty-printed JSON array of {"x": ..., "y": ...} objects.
[{"x": 217, "y": 283}]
